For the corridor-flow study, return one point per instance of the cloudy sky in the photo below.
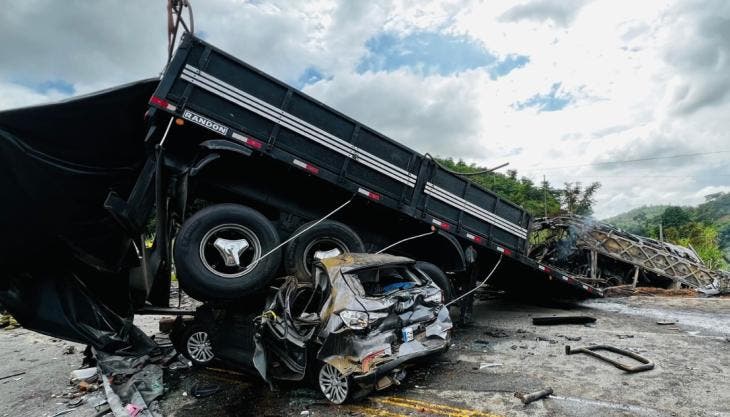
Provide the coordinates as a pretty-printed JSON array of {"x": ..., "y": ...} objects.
[{"x": 561, "y": 88}]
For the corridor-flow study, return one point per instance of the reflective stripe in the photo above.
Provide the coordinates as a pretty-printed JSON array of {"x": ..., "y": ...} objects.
[
  {"x": 249, "y": 102},
  {"x": 474, "y": 210}
]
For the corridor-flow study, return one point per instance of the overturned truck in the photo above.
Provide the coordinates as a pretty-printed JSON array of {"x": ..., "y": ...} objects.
[
  {"x": 230, "y": 177},
  {"x": 605, "y": 256}
]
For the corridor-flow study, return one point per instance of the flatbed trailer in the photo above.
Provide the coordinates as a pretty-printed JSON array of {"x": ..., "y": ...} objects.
[{"x": 293, "y": 148}]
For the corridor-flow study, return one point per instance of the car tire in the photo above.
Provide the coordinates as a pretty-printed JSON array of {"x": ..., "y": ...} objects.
[
  {"x": 329, "y": 234},
  {"x": 216, "y": 248},
  {"x": 336, "y": 387},
  {"x": 438, "y": 277},
  {"x": 195, "y": 344}
]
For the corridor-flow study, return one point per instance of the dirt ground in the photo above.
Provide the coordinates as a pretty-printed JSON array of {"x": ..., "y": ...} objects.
[{"x": 500, "y": 354}]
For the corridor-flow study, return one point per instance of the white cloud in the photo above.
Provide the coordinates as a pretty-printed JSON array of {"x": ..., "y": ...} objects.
[{"x": 646, "y": 78}]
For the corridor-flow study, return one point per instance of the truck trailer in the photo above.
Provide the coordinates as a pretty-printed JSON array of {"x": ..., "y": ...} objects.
[{"x": 226, "y": 177}]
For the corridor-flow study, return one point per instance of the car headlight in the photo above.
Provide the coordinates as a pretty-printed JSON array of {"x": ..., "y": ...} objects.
[{"x": 358, "y": 320}]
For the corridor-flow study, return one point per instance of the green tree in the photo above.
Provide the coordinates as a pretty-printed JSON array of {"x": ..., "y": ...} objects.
[
  {"x": 578, "y": 200},
  {"x": 675, "y": 217}
]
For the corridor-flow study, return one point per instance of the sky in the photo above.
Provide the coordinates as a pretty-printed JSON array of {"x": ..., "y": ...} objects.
[{"x": 561, "y": 88}]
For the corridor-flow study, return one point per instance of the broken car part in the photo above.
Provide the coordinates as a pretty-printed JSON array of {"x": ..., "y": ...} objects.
[
  {"x": 549, "y": 321},
  {"x": 646, "y": 364},
  {"x": 533, "y": 396},
  {"x": 200, "y": 390}
]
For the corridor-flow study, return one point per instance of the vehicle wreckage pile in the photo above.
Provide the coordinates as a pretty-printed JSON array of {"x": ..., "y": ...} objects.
[
  {"x": 351, "y": 329},
  {"x": 605, "y": 256}
]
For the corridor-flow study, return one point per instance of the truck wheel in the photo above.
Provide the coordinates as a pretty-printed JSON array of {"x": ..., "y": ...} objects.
[
  {"x": 217, "y": 249},
  {"x": 329, "y": 238},
  {"x": 438, "y": 277}
]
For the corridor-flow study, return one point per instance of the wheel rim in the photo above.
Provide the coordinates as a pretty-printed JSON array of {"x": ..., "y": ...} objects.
[
  {"x": 333, "y": 384},
  {"x": 199, "y": 347},
  {"x": 230, "y": 250},
  {"x": 329, "y": 245}
]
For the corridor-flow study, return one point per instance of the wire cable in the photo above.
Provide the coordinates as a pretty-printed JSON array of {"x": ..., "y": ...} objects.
[
  {"x": 478, "y": 286},
  {"x": 653, "y": 158},
  {"x": 300, "y": 233},
  {"x": 463, "y": 174},
  {"x": 405, "y": 240}
]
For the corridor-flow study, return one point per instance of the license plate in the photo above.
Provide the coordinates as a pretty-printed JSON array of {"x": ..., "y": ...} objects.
[{"x": 407, "y": 333}]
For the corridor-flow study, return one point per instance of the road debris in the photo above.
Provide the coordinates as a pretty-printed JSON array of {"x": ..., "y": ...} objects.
[
  {"x": 86, "y": 374},
  {"x": 646, "y": 364},
  {"x": 551, "y": 321},
  {"x": 533, "y": 396},
  {"x": 8, "y": 322},
  {"x": 200, "y": 390},
  {"x": 12, "y": 375},
  {"x": 166, "y": 324},
  {"x": 666, "y": 322},
  {"x": 499, "y": 333},
  {"x": 74, "y": 403}
]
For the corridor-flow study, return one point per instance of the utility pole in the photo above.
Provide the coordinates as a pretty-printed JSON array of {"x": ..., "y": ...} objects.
[
  {"x": 544, "y": 188},
  {"x": 661, "y": 232}
]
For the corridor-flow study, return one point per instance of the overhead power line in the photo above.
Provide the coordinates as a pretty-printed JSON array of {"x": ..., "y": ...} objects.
[{"x": 652, "y": 158}]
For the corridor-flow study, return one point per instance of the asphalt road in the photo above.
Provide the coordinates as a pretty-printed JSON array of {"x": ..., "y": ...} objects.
[{"x": 500, "y": 354}]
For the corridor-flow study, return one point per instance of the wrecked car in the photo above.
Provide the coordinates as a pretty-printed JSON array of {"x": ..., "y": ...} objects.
[{"x": 351, "y": 329}]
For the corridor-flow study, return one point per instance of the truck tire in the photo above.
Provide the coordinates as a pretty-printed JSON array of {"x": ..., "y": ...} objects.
[
  {"x": 438, "y": 277},
  {"x": 326, "y": 236},
  {"x": 216, "y": 248}
]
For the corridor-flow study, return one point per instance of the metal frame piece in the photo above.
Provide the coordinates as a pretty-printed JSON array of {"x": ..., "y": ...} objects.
[{"x": 646, "y": 364}]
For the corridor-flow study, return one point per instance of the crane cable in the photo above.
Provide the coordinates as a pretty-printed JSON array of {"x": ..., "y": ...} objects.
[
  {"x": 478, "y": 286},
  {"x": 464, "y": 174},
  {"x": 174, "y": 20}
]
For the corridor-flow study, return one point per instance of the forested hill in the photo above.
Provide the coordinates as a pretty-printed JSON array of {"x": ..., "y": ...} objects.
[{"x": 706, "y": 227}]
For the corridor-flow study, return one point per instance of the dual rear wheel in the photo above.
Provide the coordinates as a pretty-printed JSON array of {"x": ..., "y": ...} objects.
[{"x": 226, "y": 251}]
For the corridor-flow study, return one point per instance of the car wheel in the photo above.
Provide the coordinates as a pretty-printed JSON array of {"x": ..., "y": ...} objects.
[
  {"x": 438, "y": 277},
  {"x": 195, "y": 344},
  {"x": 327, "y": 239},
  {"x": 217, "y": 250},
  {"x": 335, "y": 386}
]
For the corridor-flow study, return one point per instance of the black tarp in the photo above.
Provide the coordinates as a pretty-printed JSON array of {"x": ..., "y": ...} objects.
[
  {"x": 63, "y": 259},
  {"x": 57, "y": 164}
]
